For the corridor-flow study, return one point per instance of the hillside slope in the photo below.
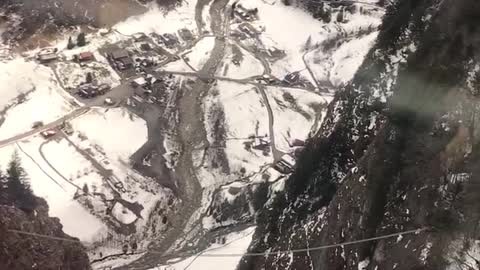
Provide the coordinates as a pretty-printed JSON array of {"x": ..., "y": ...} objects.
[
  {"x": 397, "y": 151},
  {"x": 28, "y": 252},
  {"x": 30, "y": 238}
]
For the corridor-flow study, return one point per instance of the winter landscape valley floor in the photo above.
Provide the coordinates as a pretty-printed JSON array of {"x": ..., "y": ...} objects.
[{"x": 156, "y": 142}]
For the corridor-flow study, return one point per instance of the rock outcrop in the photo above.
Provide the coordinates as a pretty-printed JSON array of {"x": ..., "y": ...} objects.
[
  {"x": 397, "y": 151},
  {"x": 19, "y": 251}
]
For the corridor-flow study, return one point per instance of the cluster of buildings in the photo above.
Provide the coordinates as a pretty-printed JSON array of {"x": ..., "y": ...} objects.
[
  {"x": 243, "y": 13},
  {"x": 91, "y": 90},
  {"x": 48, "y": 55},
  {"x": 120, "y": 59}
]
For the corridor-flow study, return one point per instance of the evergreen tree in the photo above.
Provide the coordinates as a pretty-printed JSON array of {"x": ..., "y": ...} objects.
[
  {"x": 89, "y": 78},
  {"x": 85, "y": 188},
  {"x": 81, "y": 41},
  {"x": 18, "y": 186},
  {"x": 3, "y": 188},
  {"x": 70, "y": 44},
  {"x": 134, "y": 247},
  {"x": 308, "y": 45},
  {"x": 340, "y": 16}
]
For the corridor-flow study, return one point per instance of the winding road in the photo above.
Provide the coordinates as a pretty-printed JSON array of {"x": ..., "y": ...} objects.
[
  {"x": 74, "y": 114},
  {"x": 191, "y": 130}
]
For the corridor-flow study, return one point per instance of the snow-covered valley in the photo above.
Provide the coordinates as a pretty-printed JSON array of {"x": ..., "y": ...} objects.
[{"x": 204, "y": 112}]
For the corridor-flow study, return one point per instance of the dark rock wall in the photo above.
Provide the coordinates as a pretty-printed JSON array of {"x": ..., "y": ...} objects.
[
  {"x": 380, "y": 166},
  {"x": 27, "y": 252}
]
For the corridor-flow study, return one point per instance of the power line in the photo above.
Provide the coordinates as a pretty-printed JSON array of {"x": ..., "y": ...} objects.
[
  {"x": 254, "y": 254},
  {"x": 44, "y": 236},
  {"x": 344, "y": 2},
  {"x": 417, "y": 231}
]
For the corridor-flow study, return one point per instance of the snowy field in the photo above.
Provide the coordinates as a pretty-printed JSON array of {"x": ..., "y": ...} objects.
[
  {"x": 301, "y": 27},
  {"x": 44, "y": 99},
  {"x": 20, "y": 76},
  {"x": 111, "y": 136},
  {"x": 98, "y": 156},
  {"x": 71, "y": 75},
  {"x": 245, "y": 115},
  {"x": 295, "y": 113},
  {"x": 339, "y": 66},
  {"x": 157, "y": 20},
  {"x": 248, "y": 65},
  {"x": 200, "y": 53},
  {"x": 76, "y": 220},
  {"x": 71, "y": 164},
  {"x": 235, "y": 243},
  {"x": 117, "y": 131},
  {"x": 178, "y": 65},
  {"x": 58, "y": 172}
]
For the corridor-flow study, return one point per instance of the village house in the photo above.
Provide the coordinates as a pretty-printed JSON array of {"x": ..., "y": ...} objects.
[
  {"x": 121, "y": 59},
  {"x": 286, "y": 164},
  {"x": 139, "y": 82},
  {"x": 248, "y": 29},
  {"x": 297, "y": 143},
  {"x": 47, "y": 55},
  {"x": 245, "y": 13},
  {"x": 47, "y": 58},
  {"x": 84, "y": 57},
  {"x": 145, "y": 47},
  {"x": 292, "y": 78},
  {"x": 170, "y": 40},
  {"x": 139, "y": 36},
  {"x": 185, "y": 34}
]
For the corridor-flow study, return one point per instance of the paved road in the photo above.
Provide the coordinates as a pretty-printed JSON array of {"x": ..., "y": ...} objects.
[
  {"x": 277, "y": 154},
  {"x": 74, "y": 114},
  {"x": 312, "y": 74},
  {"x": 249, "y": 80}
]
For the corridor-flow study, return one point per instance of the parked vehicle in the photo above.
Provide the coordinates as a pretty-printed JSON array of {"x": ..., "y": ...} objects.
[
  {"x": 67, "y": 128},
  {"x": 48, "y": 133},
  {"x": 109, "y": 101},
  {"x": 104, "y": 88},
  {"x": 37, "y": 124}
]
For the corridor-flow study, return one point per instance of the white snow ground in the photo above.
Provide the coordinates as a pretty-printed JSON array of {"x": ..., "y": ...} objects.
[
  {"x": 301, "y": 26},
  {"x": 295, "y": 119},
  {"x": 19, "y": 75},
  {"x": 113, "y": 135},
  {"x": 200, "y": 52},
  {"x": 71, "y": 164},
  {"x": 236, "y": 243},
  {"x": 340, "y": 66},
  {"x": 117, "y": 131},
  {"x": 46, "y": 103},
  {"x": 123, "y": 215},
  {"x": 248, "y": 67},
  {"x": 178, "y": 65},
  {"x": 245, "y": 115},
  {"x": 157, "y": 20},
  {"x": 76, "y": 220},
  {"x": 71, "y": 75}
]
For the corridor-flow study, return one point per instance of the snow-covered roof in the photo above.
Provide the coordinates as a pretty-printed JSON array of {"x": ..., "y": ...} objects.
[
  {"x": 140, "y": 81},
  {"x": 288, "y": 159},
  {"x": 139, "y": 35},
  {"x": 118, "y": 54}
]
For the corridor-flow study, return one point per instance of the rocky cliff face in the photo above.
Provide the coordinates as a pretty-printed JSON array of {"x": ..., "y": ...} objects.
[
  {"x": 397, "y": 151},
  {"x": 28, "y": 252},
  {"x": 38, "y": 20}
]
